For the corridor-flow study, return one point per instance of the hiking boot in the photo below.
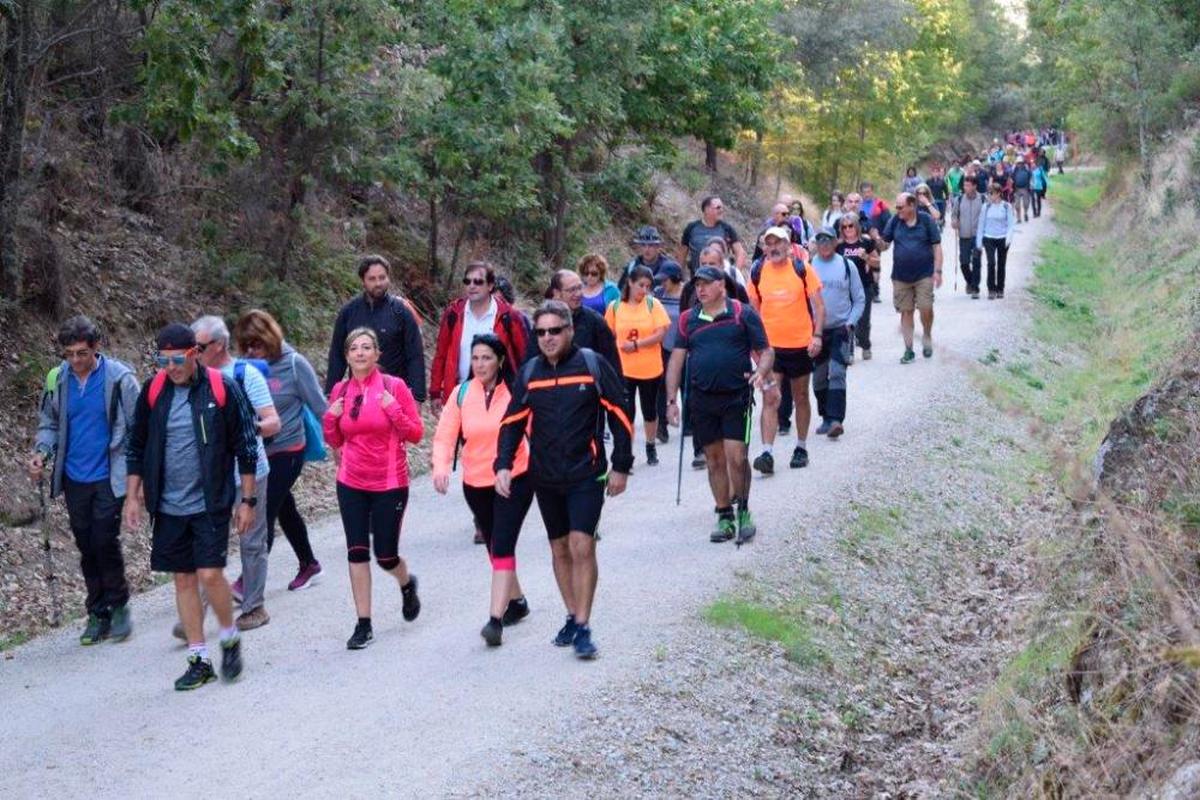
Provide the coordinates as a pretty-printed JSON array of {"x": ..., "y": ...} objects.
[
  {"x": 122, "y": 625},
  {"x": 726, "y": 530},
  {"x": 309, "y": 575},
  {"x": 651, "y": 455},
  {"x": 231, "y": 659},
  {"x": 492, "y": 632},
  {"x": 254, "y": 618},
  {"x": 823, "y": 428},
  {"x": 785, "y": 428},
  {"x": 745, "y": 526},
  {"x": 97, "y": 630},
  {"x": 517, "y": 610},
  {"x": 412, "y": 603},
  {"x": 199, "y": 672},
  {"x": 663, "y": 435},
  {"x": 566, "y": 634},
  {"x": 236, "y": 590},
  {"x": 908, "y": 357},
  {"x": 836, "y": 430},
  {"x": 866, "y": 355},
  {"x": 799, "y": 458},
  {"x": 698, "y": 461},
  {"x": 584, "y": 648},
  {"x": 765, "y": 463},
  {"x": 362, "y": 636}
]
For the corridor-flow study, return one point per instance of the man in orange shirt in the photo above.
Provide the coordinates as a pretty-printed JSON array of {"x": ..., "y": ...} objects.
[{"x": 787, "y": 294}]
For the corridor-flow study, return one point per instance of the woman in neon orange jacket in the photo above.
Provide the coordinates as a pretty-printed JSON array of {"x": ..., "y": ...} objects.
[{"x": 472, "y": 415}]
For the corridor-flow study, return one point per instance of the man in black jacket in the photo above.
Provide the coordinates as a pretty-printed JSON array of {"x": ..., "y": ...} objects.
[
  {"x": 561, "y": 398},
  {"x": 402, "y": 352},
  {"x": 189, "y": 426},
  {"x": 590, "y": 329}
]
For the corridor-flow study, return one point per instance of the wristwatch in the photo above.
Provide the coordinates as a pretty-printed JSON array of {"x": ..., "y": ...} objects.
[{"x": 250, "y": 501}]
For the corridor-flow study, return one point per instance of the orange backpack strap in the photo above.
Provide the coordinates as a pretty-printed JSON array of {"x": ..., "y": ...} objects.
[
  {"x": 156, "y": 386},
  {"x": 215, "y": 383}
]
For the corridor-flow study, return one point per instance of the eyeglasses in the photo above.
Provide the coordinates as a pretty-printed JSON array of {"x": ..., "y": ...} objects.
[
  {"x": 253, "y": 344},
  {"x": 848, "y": 226},
  {"x": 555, "y": 331},
  {"x": 69, "y": 355},
  {"x": 473, "y": 281},
  {"x": 177, "y": 360},
  {"x": 201, "y": 346},
  {"x": 356, "y": 409}
]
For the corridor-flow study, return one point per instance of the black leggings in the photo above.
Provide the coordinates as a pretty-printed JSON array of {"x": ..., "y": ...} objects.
[
  {"x": 372, "y": 518},
  {"x": 500, "y": 518},
  {"x": 281, "y": 505},
  {"x": 647, "y": 390},
  {"x": 997, "y": 259}
]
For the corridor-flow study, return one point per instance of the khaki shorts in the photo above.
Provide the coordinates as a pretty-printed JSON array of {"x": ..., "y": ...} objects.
[{"x": 907, "y": 296}]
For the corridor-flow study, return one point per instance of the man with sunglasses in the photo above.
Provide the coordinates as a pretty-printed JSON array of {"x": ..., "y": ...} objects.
[
  {"x": 559, "y": 400},
  {"x": 190, "y": 424},
  {"x": 84, "y": 418}
]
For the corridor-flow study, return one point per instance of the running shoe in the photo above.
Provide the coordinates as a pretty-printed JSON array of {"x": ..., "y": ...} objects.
[
  {"x": 122, "y": 625},
  {"x": 254, "y": 618},
  {"x": 199, "y": 672},
  {"x": 178, "y": 632},
  {"x": 765, "y": 463},
  {"x": 663, "y": 435},
  {"x": 785, "y": 428},
  {"x": 823, "y": 428},
  {"x": 478, "y": 536},
  {"x": 566, "y": 634},
  {"x": 927, "y": 348},
  {"x": 492, "y": 632},
  {"x": 517, "y": 610},
  {"x": 908, "y": 357},
  {"x": 362, "y": 636},
  {"x": 745, "y": 526},
  {"x": 836, "y": 430},
  {"x": 309, "y": 575},
  {"x": 236, "y": 590},
  {"x": 726, "y": 530},
  {"x": 584, "y": 647},
  {"x": 698, "y": 461},
  {"x": 231, "y": 659},
  {"x": 866, "y": 355},
  {"x": 97, "y": 629},
  {"x": 651, "y": 455},
  {"x": 799, "y": 458},
  {"x": 412, "y": 603}
]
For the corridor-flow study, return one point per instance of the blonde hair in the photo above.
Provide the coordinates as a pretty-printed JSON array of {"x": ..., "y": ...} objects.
[{"x": 357, "y": 332}]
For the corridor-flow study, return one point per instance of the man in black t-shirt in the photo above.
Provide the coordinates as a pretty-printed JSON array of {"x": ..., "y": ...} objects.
[
  {"x": 700, "y": 232},
  {"x": 717, "y": 338}
]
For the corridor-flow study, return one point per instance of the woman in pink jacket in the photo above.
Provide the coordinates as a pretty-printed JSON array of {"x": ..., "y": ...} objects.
[
  {"x": 473, "y": 414},
  {"x": 371, "y": 417}
]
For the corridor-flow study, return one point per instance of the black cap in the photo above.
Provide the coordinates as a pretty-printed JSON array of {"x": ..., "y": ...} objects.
[
  {"x": 670, "y": 270},
  {"x": 175, "y": 337},
  {"x": 708, "y": 274}
]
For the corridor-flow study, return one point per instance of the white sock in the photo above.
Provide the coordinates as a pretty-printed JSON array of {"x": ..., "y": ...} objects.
[
  {"x": 200, "y": 650},
  {"x": 769, "y": 449},
  {"x": 228, "y": 634}
]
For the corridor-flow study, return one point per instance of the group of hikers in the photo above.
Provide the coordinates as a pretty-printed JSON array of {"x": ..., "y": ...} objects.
[{"x": 527, "y": 405}]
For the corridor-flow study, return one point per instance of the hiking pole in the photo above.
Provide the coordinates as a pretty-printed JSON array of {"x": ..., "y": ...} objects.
[
  {"x": 682, "y": 428},
  {"x": 51, "y": 579}
]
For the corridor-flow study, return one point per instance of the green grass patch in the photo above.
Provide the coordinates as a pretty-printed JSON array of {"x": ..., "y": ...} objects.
[
  {"x": 788, "y": 626},
  {"x": 16, "y": 640},
  {"x": 872, "y": 531}
]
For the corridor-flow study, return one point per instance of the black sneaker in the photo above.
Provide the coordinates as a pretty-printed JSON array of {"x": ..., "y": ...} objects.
[
  {"x": 122, "y": 626},
  {"x": 412, "y": 603},
  {"x": 785, "y": 428},
  {"x": 799, "y": 458},
  {"x": 584, "y": 647},
  {"x": 698, "y": 461},
  {"x": 517, "y": 610},
  {"x": 492, "y": 632},
  {"x": 231, "y": 659},
  {"x": 362, "y": 636},
  {"x": 97, "y": 629},
  {"x": 566, "y": 634},
  {"x": 662, "y": 434},
  {"x": 199, "y": 672},
  {"x": 765, "y": 463},
  {"x": 651, "y": 455}
]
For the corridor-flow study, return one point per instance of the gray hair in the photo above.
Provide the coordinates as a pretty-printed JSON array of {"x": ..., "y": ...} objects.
[
  {"x": 556, "y": 308},
  {"x": 215, "y": 327},
  {"x": 853, "y": 219}
]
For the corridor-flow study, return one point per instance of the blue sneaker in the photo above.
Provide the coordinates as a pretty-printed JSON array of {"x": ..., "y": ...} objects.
[
  {"x": 823, "y": 428},
  {"x": 566, "y": 634},
  {"x": 583, "y": 643}
]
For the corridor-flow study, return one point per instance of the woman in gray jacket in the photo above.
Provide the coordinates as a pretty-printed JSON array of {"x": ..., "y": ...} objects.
[{"x": 294, "y": 386}]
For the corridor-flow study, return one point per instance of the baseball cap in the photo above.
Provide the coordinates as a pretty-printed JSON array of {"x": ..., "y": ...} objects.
[
  {"x": 670, "y": 270},
  {"x": 708, "y": 274},
  {"x": 779, "y": 232},
  {"x": 825, "y": 233},
  {"x": 175, "y": 337}
]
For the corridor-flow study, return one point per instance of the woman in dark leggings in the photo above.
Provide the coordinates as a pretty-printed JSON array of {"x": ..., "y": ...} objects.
[
  {"x": 472, "y": 418},
  {"x": 294, "y": 387},
  {"x": 372, "y": 417}
]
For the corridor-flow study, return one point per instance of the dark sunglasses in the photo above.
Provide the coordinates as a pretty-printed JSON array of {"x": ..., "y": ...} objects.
[
  {"x": 555, "y": 331},
  {"x": 200, "y": 348},
  {"x": 847, "y": 226},
  {"x": 356, "y": 409},
  {"x": 474, "y": 281},
  {"x": 178, "y": 360}
]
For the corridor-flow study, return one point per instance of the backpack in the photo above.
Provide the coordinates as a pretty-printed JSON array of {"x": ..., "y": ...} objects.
[
  {"x": 756, "y": 275},
  {"x": 52, "y": 384},
  {"x": 215, "y": 383},
  {"x": 590, "y": 359}
]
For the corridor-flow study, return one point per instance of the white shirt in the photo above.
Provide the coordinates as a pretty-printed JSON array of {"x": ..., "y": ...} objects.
[{"x": 471, "y": 327}]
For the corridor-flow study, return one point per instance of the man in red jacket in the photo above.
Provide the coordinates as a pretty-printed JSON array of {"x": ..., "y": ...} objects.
[{"x": 479, "y": 310}]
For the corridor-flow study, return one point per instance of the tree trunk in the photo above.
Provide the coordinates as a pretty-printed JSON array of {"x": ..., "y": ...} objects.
[
  {"x": 433, "y": 235},
  {"x": 756, "y": 157},
  {"x": 710, "y": 157},
  {"x": 553, "y": 167},
  {"x": 17, "y": 76}
]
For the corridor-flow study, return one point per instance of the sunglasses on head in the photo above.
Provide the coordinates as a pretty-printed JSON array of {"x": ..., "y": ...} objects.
[
  {"x": 177, "y": 360},
  {"x": 554, "y": 331},
  {"x": 474, "y": 281},
  {"x": 356, "y": 409}
]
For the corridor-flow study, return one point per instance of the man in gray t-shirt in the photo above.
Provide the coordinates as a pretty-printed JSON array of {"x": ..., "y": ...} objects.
[
  {"x": 183, "y": 493},
  {"x": 700, "y": 232}
]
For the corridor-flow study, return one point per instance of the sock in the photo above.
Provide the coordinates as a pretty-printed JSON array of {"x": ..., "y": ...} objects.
[
  {"x": 769, "y": 449},
  {"x": 364, "y": 621},
  {"x": 725, "y": 513},
  {"x": 228, "y": 634},
  {"x": 199, "y": 650}
]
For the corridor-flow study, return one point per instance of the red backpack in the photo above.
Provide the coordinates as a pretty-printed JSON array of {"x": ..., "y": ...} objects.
[{"x": 215, "y": 383}]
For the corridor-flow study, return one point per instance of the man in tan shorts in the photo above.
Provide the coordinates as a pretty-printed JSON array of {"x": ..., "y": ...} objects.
[{"x": 916, "y": 270}]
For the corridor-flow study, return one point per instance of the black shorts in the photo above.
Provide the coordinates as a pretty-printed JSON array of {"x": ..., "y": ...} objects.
[
  {"x": 571, "y": 508},
  {"x": 715, "y": 416},
  {"x": 792, "y": 363},
  {"x": 186, "y": 544}
]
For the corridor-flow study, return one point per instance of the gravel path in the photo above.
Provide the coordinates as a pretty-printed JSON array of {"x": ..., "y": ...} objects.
[{"x": 428, "y": 710}]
